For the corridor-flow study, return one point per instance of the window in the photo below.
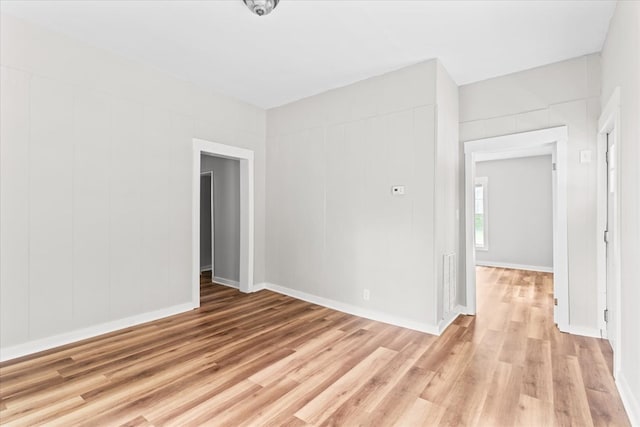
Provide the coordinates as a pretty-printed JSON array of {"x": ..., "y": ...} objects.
[{"x": 480, "y": 214}]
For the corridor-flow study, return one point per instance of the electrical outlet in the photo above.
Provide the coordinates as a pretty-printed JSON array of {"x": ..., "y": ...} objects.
[
  {"x": 366, "y": 294},
  {"x": 397, "y": 190}
]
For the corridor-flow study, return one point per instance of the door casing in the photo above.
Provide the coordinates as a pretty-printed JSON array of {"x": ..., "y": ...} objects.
[
  {"x": 550, "y": 141},
  {"x": 245, "y": 156},
  {"x": 213, "y": 233},
  {"x": 609, "y": 120}
]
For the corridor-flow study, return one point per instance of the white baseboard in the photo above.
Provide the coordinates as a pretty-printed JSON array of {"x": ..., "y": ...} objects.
[
  {"x": 48, "y": 343},
  {"x": 205, "y": 268},
  {"x": 462, "y": 309},
  {"x": 258, "y": 287},
  {"x": 630, "y": 402},
  {"x": 355, "y": 310},
  {"x": 226, "y": 282},
  {"x": 541, "y": 269},
  {"x": 581, "y": 330},
  {"x": 448, "y": 320}
]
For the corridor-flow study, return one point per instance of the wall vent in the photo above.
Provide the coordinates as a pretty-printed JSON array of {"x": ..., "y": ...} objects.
[{"x": 449, "y": 281}]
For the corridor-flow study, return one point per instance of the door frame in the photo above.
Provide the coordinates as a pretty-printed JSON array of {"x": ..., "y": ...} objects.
[
  {"x": 538, "y": 142},
  {"x": 608, "y": 121},
  {"x": 213, "y": 233},
  {"x": 245, "y": 156}
]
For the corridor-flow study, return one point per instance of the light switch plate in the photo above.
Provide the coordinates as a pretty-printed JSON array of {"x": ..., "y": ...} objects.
[{"x": 585, "y": 156}]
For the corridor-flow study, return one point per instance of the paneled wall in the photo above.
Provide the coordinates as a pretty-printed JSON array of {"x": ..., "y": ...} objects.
[
  {"x": 334, "y": 227},
  {"x": 96, "y": 183}
]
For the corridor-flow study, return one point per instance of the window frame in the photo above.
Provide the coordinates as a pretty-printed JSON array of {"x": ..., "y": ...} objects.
[{"x": 484, "y": 182}]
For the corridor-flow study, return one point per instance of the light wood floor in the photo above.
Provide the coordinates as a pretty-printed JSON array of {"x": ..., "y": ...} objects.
[{"x": 267, "y": 359}]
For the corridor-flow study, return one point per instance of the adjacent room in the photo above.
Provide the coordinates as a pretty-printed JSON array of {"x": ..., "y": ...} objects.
[
  {"x": 513, "y": 220},
  {"x": 315, "y": 213},
  {"x": 220, "y": 220}
]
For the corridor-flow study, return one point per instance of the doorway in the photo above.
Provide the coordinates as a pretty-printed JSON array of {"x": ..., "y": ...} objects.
[
  {"x": 608, "y": 231},
  {"x": 610, "y": 238},
  {"x": 220, "y": 219},
  {"x": 514, "y": 235},
  {"x": 207, "y": 224},
  {"x": 543, "y": 142},
  {"x": 244, "y": 159}
]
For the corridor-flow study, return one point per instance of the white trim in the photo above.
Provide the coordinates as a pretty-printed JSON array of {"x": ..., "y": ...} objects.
[
  {"x": 539, "y": 268},
  {"x": 245, "y": 157},
  {"x": 259, "y": 287},
  {"x": 213, "y": 224},
  {"x": 551, "y": 140},
  {"x": 463, "y": 310},
  {"x": 516, "y": 142},
  {"x": 226, "y": 282},
  {"x": 631, "y": 404},
  {"x": 448, "y": 320},
  {"x": 206, "y": 268},
  {"x": 48, "y": 343},
  {"x": 611, "y": 111},
  {"x": 484, "y": 182},
  {"x": 583, "y": 331},
  {"x": 601, "y": 226},
  {"x": 513, "y": 154},
  {"x": 608, "y": 121},
  {"x": 359, "y": 311}
]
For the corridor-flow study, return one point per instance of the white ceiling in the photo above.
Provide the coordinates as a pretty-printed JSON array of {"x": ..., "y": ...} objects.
[{"x": 309, "y": 46}]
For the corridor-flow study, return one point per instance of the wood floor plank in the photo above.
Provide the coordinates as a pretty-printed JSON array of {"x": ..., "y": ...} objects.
[
  {"x": 440, "y": 385},
  {"x": 534, "y": 412},
  {"x": 217, "y": 407},
  {"x": 605, "y": 409},
  {"x": 139, "y": 421},
  {"x": 43, "y": 414},
  {"x": 330, "y": 399},
  {"x": 226, "y": 378},
  {"x": 296, "y": 359},
  {"x": 186, "y": 411},
  {"x": 421, "y": 413},
  {"x": 242, "y": 413},
  {"x": 538, "y": 373},
  {"x": 265, "y": 359},
  {"x": 35, "y": 400},
  {"x": 379, "y": 386},
  {"x": 168, "y": 396},
  {"x": 400, "y": 398},
  {"x": 470, "y": 389},
  {"x": 570, "y": 399},
  {"x": 503, "y": 396}
]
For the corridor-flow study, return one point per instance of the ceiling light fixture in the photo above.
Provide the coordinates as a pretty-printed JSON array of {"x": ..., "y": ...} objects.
[{"x": 261, "y": 7}]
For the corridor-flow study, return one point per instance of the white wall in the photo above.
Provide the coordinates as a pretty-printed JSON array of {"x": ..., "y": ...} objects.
[
  {"x": 520, "y": 212},
  {"x": 564, "y": 93},
  {"x": 334, "y": 228},
  {"x": 96, "y": 183},
  {"x": 621, "y": 67},
  {"x": 226, "y": 195}
]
